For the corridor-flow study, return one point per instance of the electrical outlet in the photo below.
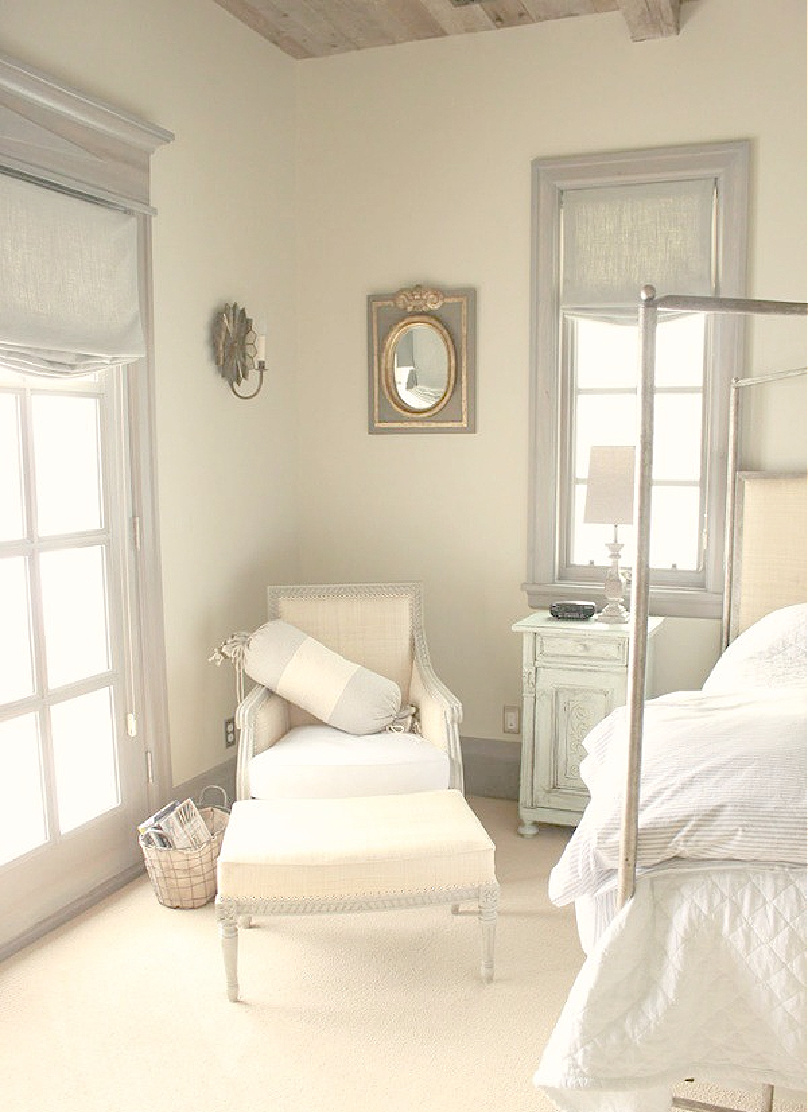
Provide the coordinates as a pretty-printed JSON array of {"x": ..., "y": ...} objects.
[
  {"x": 511, "y": 720},
  {"x": 229, "y": 733}
]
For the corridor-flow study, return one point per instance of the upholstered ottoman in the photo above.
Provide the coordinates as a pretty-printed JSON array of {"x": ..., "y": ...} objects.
[{"x": 291, "y": 857}]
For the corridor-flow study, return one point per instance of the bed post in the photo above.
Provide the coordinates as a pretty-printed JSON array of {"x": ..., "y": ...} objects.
[{"x": 627, "y": 872}]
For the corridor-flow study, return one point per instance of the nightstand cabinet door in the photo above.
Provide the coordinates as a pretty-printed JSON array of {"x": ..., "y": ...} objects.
[
  {"x": 568, "y": 705},
  {"x": 574, "y": 675}
]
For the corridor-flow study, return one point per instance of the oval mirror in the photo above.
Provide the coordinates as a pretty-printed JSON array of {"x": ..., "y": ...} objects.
[{"x": 419, "y": 365}]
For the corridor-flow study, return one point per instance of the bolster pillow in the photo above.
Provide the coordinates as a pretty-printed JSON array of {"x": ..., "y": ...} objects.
[{"x": 333, "y": 689}]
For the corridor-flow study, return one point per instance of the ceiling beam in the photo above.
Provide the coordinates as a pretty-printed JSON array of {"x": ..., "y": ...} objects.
[{"x": 650, "y": 19}]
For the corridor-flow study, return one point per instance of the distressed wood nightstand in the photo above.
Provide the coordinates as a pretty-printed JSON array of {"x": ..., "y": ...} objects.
[{"x": 573, "y": 675}]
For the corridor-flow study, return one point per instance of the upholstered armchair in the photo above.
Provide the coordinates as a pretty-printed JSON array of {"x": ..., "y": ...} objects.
[{"x": 286, "y": 753}]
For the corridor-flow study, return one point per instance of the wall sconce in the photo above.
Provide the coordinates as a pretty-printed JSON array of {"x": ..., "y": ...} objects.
[{"x": 237, "y": 348}]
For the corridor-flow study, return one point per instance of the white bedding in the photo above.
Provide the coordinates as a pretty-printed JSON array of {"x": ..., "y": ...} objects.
[
  {"x": 723, "y": 777},
  {"x": 701, "y": 974}
]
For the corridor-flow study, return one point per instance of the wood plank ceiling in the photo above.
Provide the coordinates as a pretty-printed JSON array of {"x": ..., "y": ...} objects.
[{"x": 318, "y": 28}]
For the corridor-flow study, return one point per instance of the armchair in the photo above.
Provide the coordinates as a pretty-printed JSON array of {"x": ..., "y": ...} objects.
[{"x": 284, "y": 752}]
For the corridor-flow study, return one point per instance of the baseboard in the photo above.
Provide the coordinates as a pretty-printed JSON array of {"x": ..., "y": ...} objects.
[
  {"x": 222, "y": 776},
  {"x": 65, "y": 914},
  {"x": 491, "y": 767}
]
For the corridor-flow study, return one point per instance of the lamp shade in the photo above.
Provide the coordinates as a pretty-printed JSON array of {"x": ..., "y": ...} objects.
[{"x": 610, "y": 485}]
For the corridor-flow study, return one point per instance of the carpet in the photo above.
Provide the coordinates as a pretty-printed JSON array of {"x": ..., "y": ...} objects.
[{"x": 124, "y": 1009}]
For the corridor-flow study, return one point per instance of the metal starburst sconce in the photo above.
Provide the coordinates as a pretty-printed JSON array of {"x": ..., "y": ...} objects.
[{"x": 238, "y": 349}]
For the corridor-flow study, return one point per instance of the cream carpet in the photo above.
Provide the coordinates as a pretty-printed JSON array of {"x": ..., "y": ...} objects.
[{"x": 124, "y": 1009}]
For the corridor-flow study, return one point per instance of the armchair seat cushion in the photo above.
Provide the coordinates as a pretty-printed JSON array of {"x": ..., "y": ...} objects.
[{"x": 319, "y": 762}]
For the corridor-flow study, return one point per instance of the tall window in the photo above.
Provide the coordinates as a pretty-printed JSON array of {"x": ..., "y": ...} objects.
[
  {"x": 604, "y": 226},
  {"x": 82, "y": 703},
  {"x": 63, "y": 695}
]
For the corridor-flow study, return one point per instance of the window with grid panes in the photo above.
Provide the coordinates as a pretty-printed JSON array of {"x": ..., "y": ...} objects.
[{"x": 604, "y": 226}]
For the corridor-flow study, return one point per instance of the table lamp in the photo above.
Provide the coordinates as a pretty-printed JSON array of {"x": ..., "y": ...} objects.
[{"x": 610, "y": 501}]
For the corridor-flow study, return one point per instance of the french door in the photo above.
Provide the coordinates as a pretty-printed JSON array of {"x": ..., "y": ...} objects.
[{"x": 72, "y": 765}]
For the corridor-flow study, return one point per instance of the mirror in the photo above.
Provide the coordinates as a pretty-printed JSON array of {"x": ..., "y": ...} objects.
[
  {"x": 419, "y": 365},
  {"x": 420, "y": 360}
]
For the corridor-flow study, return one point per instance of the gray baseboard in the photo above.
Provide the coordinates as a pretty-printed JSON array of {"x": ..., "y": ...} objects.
[
  {"x": 222, "y": 776},
  {"x": 491, "y": 767}
]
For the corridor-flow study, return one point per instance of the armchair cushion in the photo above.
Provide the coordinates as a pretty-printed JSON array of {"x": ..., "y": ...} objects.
[
  {"x": 318, "y": 762},
  {"x": 338, "y": 692}
]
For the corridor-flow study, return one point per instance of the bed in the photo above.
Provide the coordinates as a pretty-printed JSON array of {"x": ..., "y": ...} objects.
[{"x": 689, "y": 883}]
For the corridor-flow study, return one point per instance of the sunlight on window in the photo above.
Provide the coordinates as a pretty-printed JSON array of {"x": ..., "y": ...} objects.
[
  {"x": 16, "y": 664},
  {"x": 67, "y": 460},
  {"x": 74, "y": 605},
  {"x": 84, "y": 758},
  {"x": 23, "y": 825},
  {"x": 12, "y": 524},
  {"x": 605, "y": 358}
]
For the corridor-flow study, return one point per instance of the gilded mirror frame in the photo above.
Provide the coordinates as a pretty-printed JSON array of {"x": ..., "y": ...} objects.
[{"x": 451, "y": 314}]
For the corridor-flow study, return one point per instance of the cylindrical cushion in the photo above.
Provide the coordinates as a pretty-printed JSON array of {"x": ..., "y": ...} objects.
[{"x": 338, "y": 692}]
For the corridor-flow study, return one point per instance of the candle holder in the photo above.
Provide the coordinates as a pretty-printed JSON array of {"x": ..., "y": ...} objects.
[{"x": 238, "y": 349}]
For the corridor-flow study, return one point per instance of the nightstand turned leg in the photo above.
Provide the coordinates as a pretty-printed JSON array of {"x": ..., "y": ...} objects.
[{"x": 528, "y": 829}]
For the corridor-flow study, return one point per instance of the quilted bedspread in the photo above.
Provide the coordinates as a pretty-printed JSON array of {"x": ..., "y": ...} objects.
[{"x": 702, "y": 974}]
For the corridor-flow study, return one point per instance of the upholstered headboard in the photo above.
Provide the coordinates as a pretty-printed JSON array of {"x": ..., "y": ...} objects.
[{"x": 769, "y": 545}]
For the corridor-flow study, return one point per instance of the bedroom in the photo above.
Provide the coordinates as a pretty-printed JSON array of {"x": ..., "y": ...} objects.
[{"x": 298, "y": 188}]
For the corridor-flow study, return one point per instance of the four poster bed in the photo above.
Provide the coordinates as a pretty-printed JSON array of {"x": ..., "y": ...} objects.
[{"x": 690, "y": 888}]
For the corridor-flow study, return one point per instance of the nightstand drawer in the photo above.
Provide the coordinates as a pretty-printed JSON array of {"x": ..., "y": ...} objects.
[{"x": 596, "y": 647}]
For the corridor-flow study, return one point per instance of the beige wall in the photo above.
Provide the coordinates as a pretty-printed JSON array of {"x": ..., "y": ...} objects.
[
  {"x": 224, "y": 191},
  {"x": 414, "y": 165},
  {"x": 360, "y": 174}
]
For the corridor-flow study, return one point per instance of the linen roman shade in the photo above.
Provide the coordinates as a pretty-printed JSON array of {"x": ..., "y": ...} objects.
[
  {"x": 616, "y": 239},
  {"x": 69, "y": 299}
]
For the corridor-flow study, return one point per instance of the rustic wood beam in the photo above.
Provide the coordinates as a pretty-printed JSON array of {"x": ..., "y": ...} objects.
[{"x": 650, "y": 19}]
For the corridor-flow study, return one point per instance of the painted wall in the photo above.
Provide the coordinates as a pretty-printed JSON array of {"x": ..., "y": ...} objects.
[
  {"x": 414, "y": 165},
  {"x": 360, "y": 174},
  {"x": 224, "y": 191}
]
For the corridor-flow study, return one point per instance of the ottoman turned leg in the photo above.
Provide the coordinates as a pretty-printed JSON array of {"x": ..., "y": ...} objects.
[
  {"x": 228, "y": 932},
  {"x": 488, "y": 924}
]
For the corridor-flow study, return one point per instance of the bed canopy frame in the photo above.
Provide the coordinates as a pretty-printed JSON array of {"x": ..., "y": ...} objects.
[{"x": 650, "y": 306}]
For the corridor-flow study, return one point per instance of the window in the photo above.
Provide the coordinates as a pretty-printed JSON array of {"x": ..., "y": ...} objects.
[
  {"x": 82, "y": 703},
  {"x": 604, "y": 226}
]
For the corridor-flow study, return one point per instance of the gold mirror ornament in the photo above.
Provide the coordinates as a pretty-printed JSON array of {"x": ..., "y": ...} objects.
[
  {"x": 421, "y": 347},
  {"x": 236, "y": 348}
]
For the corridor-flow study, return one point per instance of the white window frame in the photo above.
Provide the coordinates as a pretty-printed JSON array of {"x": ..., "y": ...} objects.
[{"x": 672, "y": 593}]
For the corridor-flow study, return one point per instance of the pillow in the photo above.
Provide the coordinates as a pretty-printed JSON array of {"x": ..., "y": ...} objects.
[
  {"x": 769, "y": 653},
  {"x": 342, "y": 694}
]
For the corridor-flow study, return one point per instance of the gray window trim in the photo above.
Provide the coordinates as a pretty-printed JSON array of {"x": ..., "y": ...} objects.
[{"x": 728, "y": 164}]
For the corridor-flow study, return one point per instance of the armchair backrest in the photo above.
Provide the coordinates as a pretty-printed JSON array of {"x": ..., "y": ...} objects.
[{"x": 373, "y": 624}]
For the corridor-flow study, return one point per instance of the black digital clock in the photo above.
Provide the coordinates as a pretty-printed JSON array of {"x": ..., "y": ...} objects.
[{"x": 573, "y": 611}]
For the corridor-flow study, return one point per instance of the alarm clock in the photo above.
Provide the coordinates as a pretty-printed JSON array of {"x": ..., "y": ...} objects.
[{"x": 573, "y": 611}]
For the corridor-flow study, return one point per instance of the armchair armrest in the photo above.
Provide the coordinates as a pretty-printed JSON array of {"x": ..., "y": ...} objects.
[
  {"x": 440, "y": 714},
  {"x": 262, "y": 718}
]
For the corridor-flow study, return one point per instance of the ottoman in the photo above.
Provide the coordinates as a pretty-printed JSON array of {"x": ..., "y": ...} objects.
[{"x": 300, "y": 856}]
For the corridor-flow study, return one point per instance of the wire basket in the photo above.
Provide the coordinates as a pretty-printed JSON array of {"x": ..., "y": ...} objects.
[{"x": 186, "y": 878}]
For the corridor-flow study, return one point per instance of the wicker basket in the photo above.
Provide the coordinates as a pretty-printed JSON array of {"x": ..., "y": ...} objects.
[{"x": 187, "y": 877}]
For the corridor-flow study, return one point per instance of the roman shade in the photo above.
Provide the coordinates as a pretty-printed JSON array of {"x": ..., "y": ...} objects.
[
  {"x": 69, "y": 298},
  {"x": 616, "y": 239}
]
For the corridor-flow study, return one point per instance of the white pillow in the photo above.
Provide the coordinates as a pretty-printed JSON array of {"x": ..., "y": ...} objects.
[
  {"x": 338, "y": 692},
  {"x": 770, "y": 653}
]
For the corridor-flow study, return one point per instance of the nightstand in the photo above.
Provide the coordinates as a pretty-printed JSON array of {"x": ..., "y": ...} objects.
[{"x": 573, "y": 675}]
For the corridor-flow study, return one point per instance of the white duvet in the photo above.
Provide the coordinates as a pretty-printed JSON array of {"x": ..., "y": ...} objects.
[
  {"x": 703, "y": 972},
  {"x": 723, "y": 777}
]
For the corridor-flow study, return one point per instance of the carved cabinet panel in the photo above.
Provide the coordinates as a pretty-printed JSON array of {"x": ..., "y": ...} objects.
[{"x": 574, "y": 675}]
